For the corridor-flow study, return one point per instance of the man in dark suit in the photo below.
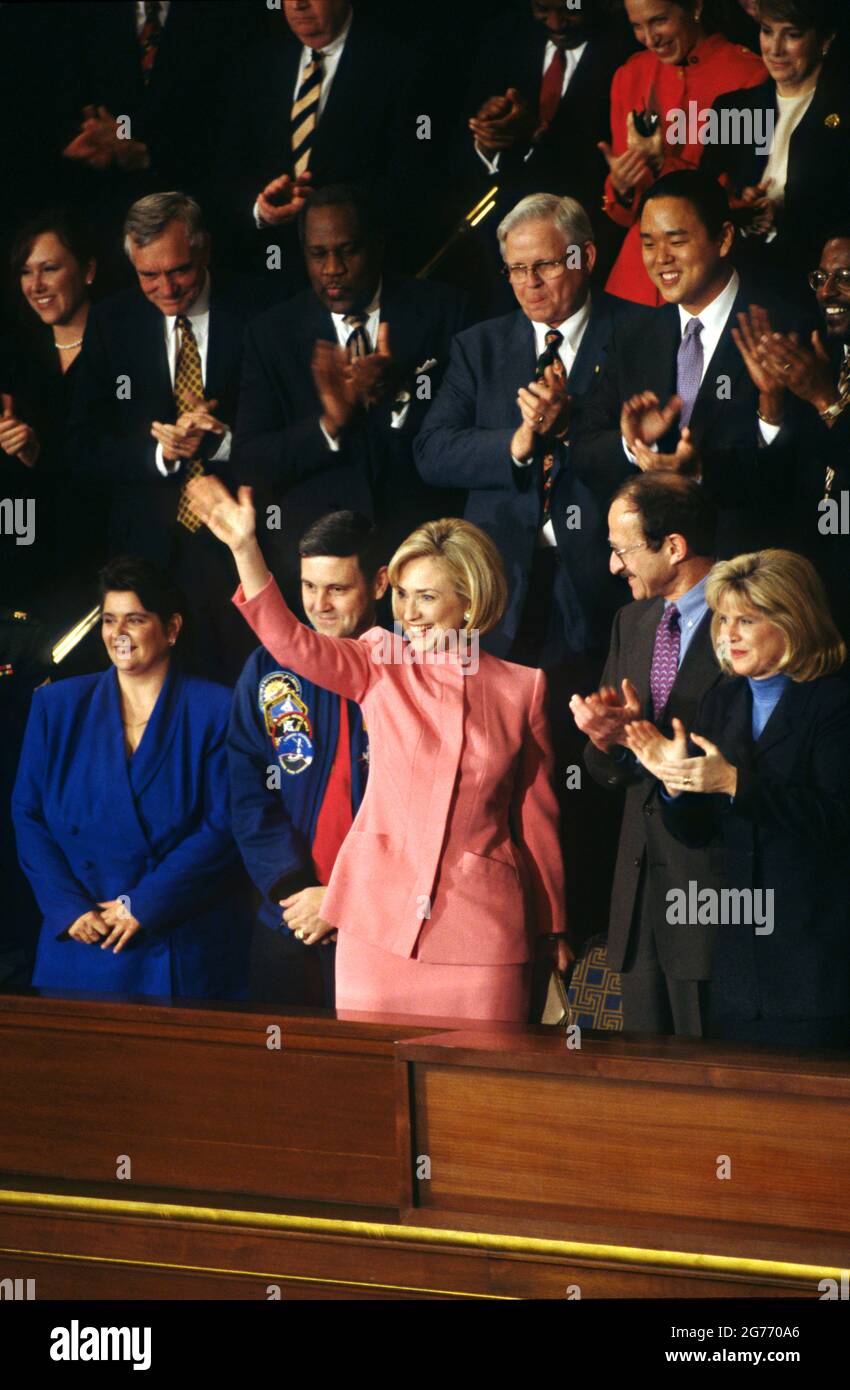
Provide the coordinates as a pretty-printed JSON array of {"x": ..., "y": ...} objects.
[
  {"x": 336, "y": 383},
  {"x": 814, "y": 377},
  {"x": 538, "y": 104},
  {"x": 498, "y": 432},
  {"x": 155, "y": 403},
  {"x": 329, "y": 99},
  {"x": 681, "y": 366},
  {"x": 660, "y": 664}
]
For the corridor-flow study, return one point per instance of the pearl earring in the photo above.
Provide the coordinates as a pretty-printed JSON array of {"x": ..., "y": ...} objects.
[{"x": 467, "y": 615}]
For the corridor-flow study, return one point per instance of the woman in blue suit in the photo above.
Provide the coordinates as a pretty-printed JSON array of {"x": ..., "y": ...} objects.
[{"x": 121, "y": 814}]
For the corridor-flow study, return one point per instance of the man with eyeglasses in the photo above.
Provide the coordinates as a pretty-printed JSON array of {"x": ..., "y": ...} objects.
[
  {"x": 499, "y": 428},
  {"x": 336, "y": 383},
  {"x": 813, "y": 377},
  {"x": 661, "y": 532}
]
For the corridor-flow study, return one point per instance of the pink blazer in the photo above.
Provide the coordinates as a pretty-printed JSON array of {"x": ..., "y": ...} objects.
[{"x": 454, "y": 856}]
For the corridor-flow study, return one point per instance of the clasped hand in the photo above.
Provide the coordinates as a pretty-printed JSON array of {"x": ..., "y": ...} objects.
[
  {"x": 98, "y": 144},
  {"x": 667, "y": 759},
  {"x": 545, "y": 407},
  {"x": 343, "y": 384},
  {"x": 301, "y": 915},
  {"x": 502, "y": 122},
  {"x": 112, "y": 925}
]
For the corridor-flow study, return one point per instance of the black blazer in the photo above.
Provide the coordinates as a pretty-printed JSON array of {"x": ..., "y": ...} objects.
[
  {"x": 735, "y": 468},
  {"x": 366, "y": 133},
  {"x": 465, "y": 443},
  {"x": 109, "y": 439},
  {"x": 281, "y": 449},
  {"x": 788, "y": 830},
  {"x": 650, "y": 860},
  {"x": 817, "y": 191}
]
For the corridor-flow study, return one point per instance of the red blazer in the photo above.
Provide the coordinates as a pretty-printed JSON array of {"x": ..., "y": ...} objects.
[
  {"x": 714, "y": 66},
  {"x": 454, "y": 855}
]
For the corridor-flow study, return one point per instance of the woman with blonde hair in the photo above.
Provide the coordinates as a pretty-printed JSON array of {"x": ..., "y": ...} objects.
[
  {"x": 771, "y": 779},
  {"x": 452, "y": 869}
]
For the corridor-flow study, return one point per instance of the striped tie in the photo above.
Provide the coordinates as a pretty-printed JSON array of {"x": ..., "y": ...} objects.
[
  {"x": 844, "y": 402},
  {"x": 550, "y": 357},
  {"x": 305, "y": 113},
  {"x": 149, "y": 38},
  {"x": 188, "y": 390},
  {"x": 357, "y": 343}
]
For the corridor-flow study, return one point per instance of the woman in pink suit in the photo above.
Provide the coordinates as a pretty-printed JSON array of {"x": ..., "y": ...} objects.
[{"x": 452, "y": 869}]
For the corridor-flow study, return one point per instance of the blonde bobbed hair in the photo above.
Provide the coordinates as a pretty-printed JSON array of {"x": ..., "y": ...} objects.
[
  {"x": 471, "y": 561},
  {"x": 784, "y": 588}
]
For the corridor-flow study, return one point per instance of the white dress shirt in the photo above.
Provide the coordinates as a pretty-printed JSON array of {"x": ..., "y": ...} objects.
[
  {"x": 573, "y": 57},
  {"x": 370, "y": 328},
  {"x": 573, "y": 330},
  {"x": 199, "y": 317},
  {"x": 164, "y": 7},
  {"x": 714, "y": 318},
  {"x": 331, "y": 56}
]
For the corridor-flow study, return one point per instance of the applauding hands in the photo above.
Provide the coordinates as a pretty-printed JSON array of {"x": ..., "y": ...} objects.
[
  {"x": 604, "y": 716},
  {"x": 668, "y": 760},
  {"x": 17, "y": 439}
]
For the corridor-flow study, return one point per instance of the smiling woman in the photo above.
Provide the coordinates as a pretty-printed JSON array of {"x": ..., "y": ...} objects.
[{"x": 121, "y": 813}]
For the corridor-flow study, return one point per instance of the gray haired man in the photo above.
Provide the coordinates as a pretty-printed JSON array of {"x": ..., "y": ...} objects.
[{"x": 154, "y": 402}]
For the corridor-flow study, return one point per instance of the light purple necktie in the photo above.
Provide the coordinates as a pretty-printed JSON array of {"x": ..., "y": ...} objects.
[
  {"x": 665, "y": 659},
  {"x": 689, "y": 364}
]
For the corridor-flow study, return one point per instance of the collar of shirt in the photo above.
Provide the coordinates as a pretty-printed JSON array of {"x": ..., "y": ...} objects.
[
  {"x": 713, "y": 318},
  {"x": 573, "y": 331},
  {"x": 164, "y": 7},
  {"x": 199, "y": 317},
  {"x": 573, "y": 57},
  {"x": 373, "y": 312},
  {"x": 692, "y": 607},
  {"x": 331, "y": 56}
]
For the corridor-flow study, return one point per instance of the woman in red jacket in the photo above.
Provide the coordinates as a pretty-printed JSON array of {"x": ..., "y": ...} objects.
[
  {"x": 452, "y": 871},
  {"x": 656, "y": 101}
]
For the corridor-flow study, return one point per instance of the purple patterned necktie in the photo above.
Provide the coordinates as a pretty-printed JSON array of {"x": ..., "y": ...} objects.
[
  {"x": 665, "y": 659},
  {"x": 689, "y": 365}
]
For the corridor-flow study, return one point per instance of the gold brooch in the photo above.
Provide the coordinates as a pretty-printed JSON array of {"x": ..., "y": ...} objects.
[{"x": 833, "y": 120}]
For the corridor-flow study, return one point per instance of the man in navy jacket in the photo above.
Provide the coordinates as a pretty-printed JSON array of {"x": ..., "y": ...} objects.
[{"x": 296, "y": 784}]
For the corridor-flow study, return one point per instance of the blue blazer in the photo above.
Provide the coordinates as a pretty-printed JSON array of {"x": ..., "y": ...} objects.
[
  {"x": 465, "y": 442},
  {"x": 92, "y": 825},
  {"x": 282, "y": 723}
]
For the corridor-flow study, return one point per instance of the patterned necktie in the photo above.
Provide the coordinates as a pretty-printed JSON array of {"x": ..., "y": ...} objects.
[
  {"x": 665, "y": 660},
  {"x": 551, "y": 87},
  {"x": 305, "y": 113},
  {"x": 188, "y": 390},
  {"x": 149, "y": 38},
  {"x": 357, "y": 343},
  {"x": 550, "y": 357},
  {"x": 844, "y": 401},
  {"x": 689, "y": 365}
]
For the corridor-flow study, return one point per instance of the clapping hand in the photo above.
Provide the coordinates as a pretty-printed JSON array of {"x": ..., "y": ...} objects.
[
  {"x": 17, "y": 439},
  {"x": 668, "y": 760},
  {"x": 377, "y": 373},
  {"x": 545, "y": 407},
  {"x": 502, "y": 122},
  {"x": 283, "y": 198},
  {"x": 97, "y": 144},
  {"x": 605, "y": 716},
  {"x": 755, "y": 209},
  {"x": 334, "y": 377},
  {"x": 626, "y": 169}
]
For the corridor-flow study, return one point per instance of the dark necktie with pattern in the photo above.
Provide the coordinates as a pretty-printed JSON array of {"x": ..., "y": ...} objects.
[
  {"x": 665, "y": 660},
  {"x": 357, "y": 343},
  {"x": 149, "y": 38},
  {"x": 305, "y": 113},
  {"x": 550, "y": 357},
  {"x": 188, "y": 390},
  {"x": 689, "y": 365}
]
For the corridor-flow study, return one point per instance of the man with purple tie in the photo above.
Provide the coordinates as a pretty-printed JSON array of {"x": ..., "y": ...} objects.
[
  {"x": 661, "y": 534},
  {"x": 675, "y": 393}
]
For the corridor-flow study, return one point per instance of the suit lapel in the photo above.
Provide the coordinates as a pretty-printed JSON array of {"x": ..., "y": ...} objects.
[
  {"x": 726, "y": 361},
  {"x": 153, "y": 358},
  {"x": 784, "y": 721},
  {"x": 591, "y": 353}
]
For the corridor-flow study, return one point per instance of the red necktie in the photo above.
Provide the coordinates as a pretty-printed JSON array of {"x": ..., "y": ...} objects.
[
  {"x": 335, "y": 817},
  {"x": 550, "y": 88}
]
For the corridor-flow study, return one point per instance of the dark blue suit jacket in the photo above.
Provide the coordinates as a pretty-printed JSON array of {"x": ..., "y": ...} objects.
[
  {"x": 465, "y": 442},
  {"x": 92, "y": 826},
  {"x": 788, "y": 830},
  {"x": 274, "y": 819}
]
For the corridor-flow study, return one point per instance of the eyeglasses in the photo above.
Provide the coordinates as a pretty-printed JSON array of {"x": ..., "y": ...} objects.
[
  {"x": 621, "y": 550},
  {"x": 547, "y": 270},
  {"x": 818, "y": 279}
]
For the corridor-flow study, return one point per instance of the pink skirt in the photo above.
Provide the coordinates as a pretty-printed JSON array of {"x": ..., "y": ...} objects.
[{"x": 369, "y": 980}]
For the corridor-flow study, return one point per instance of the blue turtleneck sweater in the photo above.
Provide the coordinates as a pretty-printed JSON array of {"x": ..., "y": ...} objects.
[{"x": 766, "y": 694}]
